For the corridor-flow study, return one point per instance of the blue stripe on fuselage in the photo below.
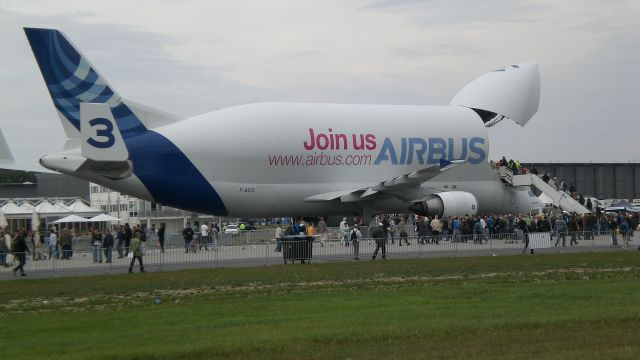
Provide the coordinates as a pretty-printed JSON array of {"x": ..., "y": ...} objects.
[{"x": 170, "y": 177}]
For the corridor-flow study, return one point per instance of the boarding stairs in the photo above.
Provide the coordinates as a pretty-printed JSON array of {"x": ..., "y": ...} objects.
[{"x": 559, "y": 197}]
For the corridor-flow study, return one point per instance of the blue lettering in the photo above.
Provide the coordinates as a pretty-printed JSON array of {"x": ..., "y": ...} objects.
[
  {"x": 420, "y": 152},
  {"x": 437, "y": 146},
  {"x": 452, "y": 152},
  {"x": 403, "y": 151},
  {"x": 387, "y": 147},
  {"x": 477, "y": 150}
]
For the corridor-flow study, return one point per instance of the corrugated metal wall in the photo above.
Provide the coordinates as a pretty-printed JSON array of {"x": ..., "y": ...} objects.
[{"x": 604, "y": 181}]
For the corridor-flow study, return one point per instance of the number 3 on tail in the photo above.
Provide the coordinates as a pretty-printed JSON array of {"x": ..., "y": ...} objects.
[{"x": 104, "y": 135}]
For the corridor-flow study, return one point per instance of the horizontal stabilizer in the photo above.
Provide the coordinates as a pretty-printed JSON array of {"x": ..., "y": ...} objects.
[
  {"x": 101, "y": 139},
  {"x": 7, "y": 162}
]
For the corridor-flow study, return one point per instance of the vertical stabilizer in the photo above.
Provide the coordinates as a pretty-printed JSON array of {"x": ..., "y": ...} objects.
[{"x": 71, "y": 79}]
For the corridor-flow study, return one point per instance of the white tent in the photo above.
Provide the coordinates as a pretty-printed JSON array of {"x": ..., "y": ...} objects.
[
  {"x": 13, "y": 211},
  {"x": 104, "y": 217},
  {"x": 47, "y": 209},
  {"x": 71, "y": 219},
  {"x": 80, "y": 208}
]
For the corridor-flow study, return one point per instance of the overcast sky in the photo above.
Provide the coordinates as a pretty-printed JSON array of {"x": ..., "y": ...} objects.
[{"x": 190, "y": 57}]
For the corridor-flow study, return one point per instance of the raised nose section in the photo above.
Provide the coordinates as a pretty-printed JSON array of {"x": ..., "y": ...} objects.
[{"x": 510, "y": 92}]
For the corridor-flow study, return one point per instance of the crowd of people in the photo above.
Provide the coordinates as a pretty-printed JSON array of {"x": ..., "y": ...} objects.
[
  {"x": 206, "y": 236},
  {"x": 391, "y": 229},
  {"x": 58, "y": 244},
  {"x": 383, "y": 229},
  {"x": 559, "y": 185}
]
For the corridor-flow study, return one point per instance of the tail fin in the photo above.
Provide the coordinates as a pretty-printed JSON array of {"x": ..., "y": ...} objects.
[
  {"x": 511, "y": 92},
  {"x": 71, "y": 79}
]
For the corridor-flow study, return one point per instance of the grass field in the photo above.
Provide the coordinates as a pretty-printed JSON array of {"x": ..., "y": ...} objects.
[{"x": 544, "y": 306}]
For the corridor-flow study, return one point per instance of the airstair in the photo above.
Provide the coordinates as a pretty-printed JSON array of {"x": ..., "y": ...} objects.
[{"x": 560, "y": 198}]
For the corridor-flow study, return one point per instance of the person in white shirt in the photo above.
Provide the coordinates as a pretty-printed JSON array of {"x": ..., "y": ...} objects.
[
  {"x": 53, "y": 244},
  {"x": 344, "y": 228},
  {"x": 204, "y": 236}
]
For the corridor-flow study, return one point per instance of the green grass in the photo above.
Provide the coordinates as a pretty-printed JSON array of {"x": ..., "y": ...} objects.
[{"x": 544, "y": 306}]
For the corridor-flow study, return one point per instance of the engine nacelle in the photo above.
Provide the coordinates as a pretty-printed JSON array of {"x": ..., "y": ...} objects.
[{"x": 450, "y": 203}]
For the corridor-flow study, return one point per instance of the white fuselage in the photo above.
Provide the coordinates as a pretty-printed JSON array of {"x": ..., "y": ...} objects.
[{"x": 265, "y": 159}]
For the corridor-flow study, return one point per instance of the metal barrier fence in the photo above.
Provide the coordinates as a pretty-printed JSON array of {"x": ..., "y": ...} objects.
[{"x": 267, "y": 252}]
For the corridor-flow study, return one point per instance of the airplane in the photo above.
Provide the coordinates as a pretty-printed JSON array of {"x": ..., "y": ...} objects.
[{"x": 296, "y": 159}]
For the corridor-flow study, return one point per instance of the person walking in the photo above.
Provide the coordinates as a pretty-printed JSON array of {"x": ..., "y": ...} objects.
[
  {"x": 215, "y": 235},
  {"x": 4, "y": 250},
  {"x": 378, "y": 235},
  {"x": 455, "y": 226},
  {"x": 355, "y": 241},
  {"x": 402, "y": 229},
  {"x": 96, "y": 245},
  {"x": 204, "y": 236},
  {"x": 279, "y": 235},
  {"x": 322, "y": 231},
  {"x": 187, "y": 235},
  {"x": 66, "y": 239},
  {"x": 53, "y": 244},
  {"x": 120, "y": 241},
  {"x": 561, "y": 229},
  {"x": 135, "y": 248},
  {"x": 128, "y": 233},
  {"x": 20, "y": 249},
  {"x": 107, "y": 245},
  {"x": 393, "y": 230},
  {"x": 573, "y": 230},
  {"x": 344, "y": 229},
  {"x": 161, "y": 231},
  {"x": 436, "y": 226}
]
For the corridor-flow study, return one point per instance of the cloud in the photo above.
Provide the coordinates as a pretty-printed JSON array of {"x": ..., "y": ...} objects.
[{"x": 194, "y": 56}]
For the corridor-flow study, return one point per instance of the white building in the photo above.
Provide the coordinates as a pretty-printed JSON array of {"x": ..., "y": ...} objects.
[
  {"x": 135, "y": 211},
  {"x": 114, "y": 203}
]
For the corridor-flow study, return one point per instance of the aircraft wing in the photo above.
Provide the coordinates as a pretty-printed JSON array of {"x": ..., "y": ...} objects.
[{"x": 412, "y": 179}]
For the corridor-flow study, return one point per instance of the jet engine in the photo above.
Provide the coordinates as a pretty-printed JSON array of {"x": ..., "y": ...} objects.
[{"x": 450, "y": 203}]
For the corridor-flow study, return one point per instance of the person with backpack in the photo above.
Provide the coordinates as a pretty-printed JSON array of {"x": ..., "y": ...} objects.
[{"x": 355, "y": 241}]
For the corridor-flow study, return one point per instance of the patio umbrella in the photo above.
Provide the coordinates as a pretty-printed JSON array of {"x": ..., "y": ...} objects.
[
  {"x": 104, "y": 217},
  {"x": 71, "y": 219},
  {"x": 35, "y": 221},
  {"x": 3, "y": 220}
]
